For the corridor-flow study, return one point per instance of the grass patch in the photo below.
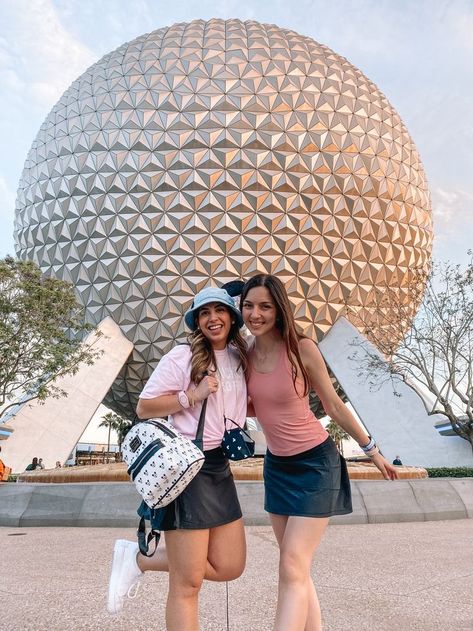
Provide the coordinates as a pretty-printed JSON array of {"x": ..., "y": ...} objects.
[{"x": 450, "y": 472}]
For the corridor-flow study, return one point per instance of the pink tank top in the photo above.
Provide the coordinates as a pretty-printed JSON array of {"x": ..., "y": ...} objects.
[{"x": 284, "y": 414}]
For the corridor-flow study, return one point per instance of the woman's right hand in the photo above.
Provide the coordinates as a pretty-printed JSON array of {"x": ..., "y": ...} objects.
[{"x": 208, "y": 385}]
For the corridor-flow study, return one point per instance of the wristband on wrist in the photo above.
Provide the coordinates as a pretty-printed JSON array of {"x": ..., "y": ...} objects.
[
  {"x": 372, "y": 452},
  {"x": 369, "y": 446}
]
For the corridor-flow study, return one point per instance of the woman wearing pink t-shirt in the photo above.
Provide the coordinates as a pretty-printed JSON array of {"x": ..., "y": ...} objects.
[
  {"x": 203, "y": 527},
  {"x": 305, "y": 478}
]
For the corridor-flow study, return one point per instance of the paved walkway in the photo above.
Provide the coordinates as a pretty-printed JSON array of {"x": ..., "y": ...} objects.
[{"x": 382, "y": 577}]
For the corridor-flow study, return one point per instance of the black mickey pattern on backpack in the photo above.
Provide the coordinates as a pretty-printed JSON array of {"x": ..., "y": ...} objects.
[{"x": 164, "y": 463}]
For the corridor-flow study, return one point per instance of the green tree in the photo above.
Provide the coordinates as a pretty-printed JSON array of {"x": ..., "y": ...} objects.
[
  {"x": 338, "y": 435},
  {"x": 117, "y": 423},
  {"x": 41, "y": 331}
]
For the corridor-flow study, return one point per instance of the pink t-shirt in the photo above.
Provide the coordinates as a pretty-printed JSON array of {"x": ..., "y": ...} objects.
[
  {"x": 173, "y": 374},
  {"x": 288, "y": 423}
]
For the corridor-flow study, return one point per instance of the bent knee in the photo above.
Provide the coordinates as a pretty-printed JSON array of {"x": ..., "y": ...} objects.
[
  {"x": 292, "y": 568},
  {"x": 185, "y": 586},
  {"x": 234, "y": 572},
  {"x": 229, "y": 572}
]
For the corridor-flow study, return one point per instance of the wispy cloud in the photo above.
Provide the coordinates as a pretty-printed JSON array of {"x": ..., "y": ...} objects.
[
  {"x": 7, "y": 207},
  {"x": 7, "y": 198},
  {"x": 461, "y": 24},
  {"x": 453, "y": 223},
  {"x": 452, "y": 210},
  {"x": 418, "y": 53},
  {"x": 38, "y": 57}
]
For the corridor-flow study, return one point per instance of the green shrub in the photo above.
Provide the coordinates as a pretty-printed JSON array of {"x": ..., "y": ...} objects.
[{"x": 450, "y": 472}]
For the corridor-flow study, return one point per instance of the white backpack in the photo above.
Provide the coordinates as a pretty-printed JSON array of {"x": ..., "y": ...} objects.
[{"x": 161, "y": 461}]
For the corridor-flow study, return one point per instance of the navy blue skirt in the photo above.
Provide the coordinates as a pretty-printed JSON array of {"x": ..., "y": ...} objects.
[
  {"x": 208, "y": 501},
  {"x": 314, "y": 483}
]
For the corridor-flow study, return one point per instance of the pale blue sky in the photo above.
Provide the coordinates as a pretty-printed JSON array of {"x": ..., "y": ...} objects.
[{"x": 418, "y": 52}]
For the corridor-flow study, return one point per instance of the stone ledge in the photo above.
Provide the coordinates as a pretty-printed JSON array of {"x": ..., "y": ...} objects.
[
  {"x": 115, "y": 503},
  {"x": 251, "y": 469}
]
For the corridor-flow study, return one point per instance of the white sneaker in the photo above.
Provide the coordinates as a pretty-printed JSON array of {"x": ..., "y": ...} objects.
[{"x": 125, "y": 574}]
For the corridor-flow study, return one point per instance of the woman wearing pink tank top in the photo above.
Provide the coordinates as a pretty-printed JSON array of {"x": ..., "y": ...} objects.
[{"x": 305, "y": 478}]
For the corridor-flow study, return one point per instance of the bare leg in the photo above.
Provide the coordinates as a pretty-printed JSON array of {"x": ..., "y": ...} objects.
[
  {"x": 313, "y": 622},
  {"x": 314, "y": 619},
  {"x": 158, "y": 562},
  {"x": 226, "y": 554},
  {"x": 298, "y": 537},
  {"x": 187, "y": 555},
  {"x": 217, "y": 554}
]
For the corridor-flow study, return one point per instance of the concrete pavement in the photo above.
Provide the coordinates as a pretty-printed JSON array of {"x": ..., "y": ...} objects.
[{"x": 414, "y": 576}]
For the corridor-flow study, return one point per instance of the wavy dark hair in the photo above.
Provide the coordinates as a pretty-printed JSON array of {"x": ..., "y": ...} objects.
[
  {"x": 203, "y": 356},
  {"x": 285, "y": 322}
]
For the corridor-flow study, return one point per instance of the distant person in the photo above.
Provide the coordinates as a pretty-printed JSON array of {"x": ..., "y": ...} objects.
[
  {"x": 2, "y": 468},
  {"x": 33, "y": 465},
  {"x": 58, "y": 465},
  {"x": 40, "y": 464},
  {"x": 397, "y": 461}
]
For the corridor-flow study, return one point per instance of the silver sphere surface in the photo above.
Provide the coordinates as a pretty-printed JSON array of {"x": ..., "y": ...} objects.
[{"x": 210, "y": 151}]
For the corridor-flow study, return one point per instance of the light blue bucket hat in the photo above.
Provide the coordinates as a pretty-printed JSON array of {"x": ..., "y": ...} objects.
[{"x": 206, "y": 296}]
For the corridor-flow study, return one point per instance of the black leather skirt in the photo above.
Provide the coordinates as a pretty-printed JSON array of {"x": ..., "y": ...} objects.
[{"x": 314, "y": 483}]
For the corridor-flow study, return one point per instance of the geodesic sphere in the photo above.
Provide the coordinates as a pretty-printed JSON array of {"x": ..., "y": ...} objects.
[{"x": 209, "y": 151}]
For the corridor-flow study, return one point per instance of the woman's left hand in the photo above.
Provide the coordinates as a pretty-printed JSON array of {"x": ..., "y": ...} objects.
[{"x": 389, "y": 471}]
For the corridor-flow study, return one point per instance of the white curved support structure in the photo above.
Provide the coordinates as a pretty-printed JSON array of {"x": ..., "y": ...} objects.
[
  {"x": 51, "y": 431},
  {"x": 398, "y": 421}
]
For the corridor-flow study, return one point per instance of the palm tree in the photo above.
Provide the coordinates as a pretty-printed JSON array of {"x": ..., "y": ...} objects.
[
  {"x": 122, "y": 428},
  {"x": 108, "y": 421},
  {"x": 117, "y": 423},
  {"x": 338, "y": 435}
]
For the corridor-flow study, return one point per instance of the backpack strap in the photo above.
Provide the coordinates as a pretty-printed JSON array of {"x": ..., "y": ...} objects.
[
  {"x": 145, "y": 539},
  {"x": 199, "y": 437}
]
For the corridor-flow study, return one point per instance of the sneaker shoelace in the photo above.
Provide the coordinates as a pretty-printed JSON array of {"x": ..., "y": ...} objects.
[{"x": 133, "y": 590}]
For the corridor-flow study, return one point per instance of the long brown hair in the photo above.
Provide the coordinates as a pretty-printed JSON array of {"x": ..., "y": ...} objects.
[
  {"x": 203, "y": 356},
  {"x": 285, "y": 322}
]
